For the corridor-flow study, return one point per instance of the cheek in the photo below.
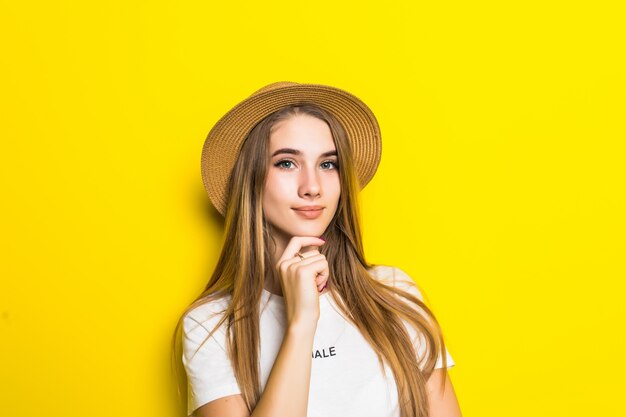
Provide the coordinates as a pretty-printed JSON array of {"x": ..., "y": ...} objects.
[
  {"x": 333, "y": 188},
  {"x": 275, "y": 189}
]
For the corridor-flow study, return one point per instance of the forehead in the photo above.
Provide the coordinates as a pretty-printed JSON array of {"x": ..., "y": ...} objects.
[{"x": 303, "y": 132}]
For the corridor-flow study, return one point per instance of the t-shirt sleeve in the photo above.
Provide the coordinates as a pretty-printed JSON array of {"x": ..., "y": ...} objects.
[
  {"x": 209, "y": 371},
  {"x": 404, "y": 282}
]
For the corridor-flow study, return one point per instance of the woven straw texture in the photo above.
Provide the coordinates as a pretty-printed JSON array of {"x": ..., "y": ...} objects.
[{"x": 222, "y": 145}]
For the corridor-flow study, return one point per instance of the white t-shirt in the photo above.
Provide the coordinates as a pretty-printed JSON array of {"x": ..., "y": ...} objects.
[{"x": 346, "y": 378}]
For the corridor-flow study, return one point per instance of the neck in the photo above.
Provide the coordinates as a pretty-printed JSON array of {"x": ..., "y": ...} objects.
[{"x": 271, "y": 284}]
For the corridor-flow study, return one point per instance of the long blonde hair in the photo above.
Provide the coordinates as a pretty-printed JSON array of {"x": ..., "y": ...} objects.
[{"x": 245, "y": 264}]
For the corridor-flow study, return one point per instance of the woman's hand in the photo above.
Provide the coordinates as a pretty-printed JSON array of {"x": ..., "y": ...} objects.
[{"x": 302, "y": 280}]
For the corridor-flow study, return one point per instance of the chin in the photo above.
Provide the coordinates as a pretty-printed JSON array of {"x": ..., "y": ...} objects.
[{"x": 310, "y": 229}]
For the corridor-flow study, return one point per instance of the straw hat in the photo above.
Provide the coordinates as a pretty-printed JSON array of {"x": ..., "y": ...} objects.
[{"x": 222, "y": 145}]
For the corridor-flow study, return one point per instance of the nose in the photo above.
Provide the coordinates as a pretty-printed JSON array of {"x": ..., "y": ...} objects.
[{"x": 310, "y": 186}]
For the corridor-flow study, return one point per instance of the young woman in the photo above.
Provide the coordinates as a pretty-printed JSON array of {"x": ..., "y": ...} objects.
[{"x": 294, "y": 322}]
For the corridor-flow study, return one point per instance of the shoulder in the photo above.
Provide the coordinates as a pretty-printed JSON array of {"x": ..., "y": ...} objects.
[
  {"x": 205, "y": 354},
  {"x": 203, "y": 317},
  {"x": 396, "y": 277}
]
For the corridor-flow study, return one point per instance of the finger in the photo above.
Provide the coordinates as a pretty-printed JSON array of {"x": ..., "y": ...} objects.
[
  {"x": 309, "y": 248},
  {"x": 310, "y": 260},
  {"x": 309, "y": 253},
  {"x": 318, "y": 266},
  {"x": 297, "y": 243},
  {"x": 321, "y": 270},
  {"x": 321, "y": 280},
  {"x": 285, "y": 264}
]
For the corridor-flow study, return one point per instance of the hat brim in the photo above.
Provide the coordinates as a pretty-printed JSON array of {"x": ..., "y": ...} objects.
[{"x": 224, "y": 141}]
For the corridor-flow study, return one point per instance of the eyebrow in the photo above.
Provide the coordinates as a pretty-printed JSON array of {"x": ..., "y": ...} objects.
[{"x": 297, "y": 152}]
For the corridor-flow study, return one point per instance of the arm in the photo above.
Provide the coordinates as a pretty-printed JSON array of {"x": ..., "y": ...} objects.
[
  {"x": 286, "y": 392},
  {"x": 442, "y": 403},
  {"x": 287, "y": 389}
]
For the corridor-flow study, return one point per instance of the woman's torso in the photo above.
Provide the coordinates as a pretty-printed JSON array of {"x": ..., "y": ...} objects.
[{"x": 346, "y": 376}]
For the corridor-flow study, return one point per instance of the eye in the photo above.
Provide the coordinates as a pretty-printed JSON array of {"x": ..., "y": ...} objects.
[
  {"x": 330, "y": 164},
  {"x": 281, "y": 164}
]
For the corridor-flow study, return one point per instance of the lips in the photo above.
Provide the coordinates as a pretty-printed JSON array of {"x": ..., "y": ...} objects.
[
  {"x": 310, "y": 212},
  {"x": 308, "y": 208}
]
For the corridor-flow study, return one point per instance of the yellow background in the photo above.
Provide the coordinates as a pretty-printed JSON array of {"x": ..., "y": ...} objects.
[{"x": 501, "y": 189}]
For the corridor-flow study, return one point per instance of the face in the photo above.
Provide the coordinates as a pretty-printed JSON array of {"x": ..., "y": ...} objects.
[{"x": 302, "y": 186}]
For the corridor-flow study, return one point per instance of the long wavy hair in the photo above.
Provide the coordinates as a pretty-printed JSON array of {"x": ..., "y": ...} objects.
[{"x": 244, "y": 264}]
